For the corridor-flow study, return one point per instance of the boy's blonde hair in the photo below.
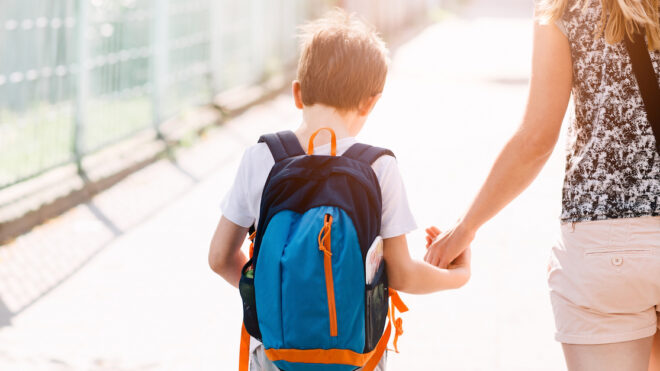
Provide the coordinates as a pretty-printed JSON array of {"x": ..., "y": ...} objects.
[
  {"x": 342, "y": 61},
  {"x": 619, "y": 18}
]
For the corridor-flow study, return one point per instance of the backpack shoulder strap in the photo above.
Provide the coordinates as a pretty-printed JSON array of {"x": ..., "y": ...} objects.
[
  {"x": 366, "y": 153},
  {"x": 646, "y": 80},
  {"x": 283, "y": 144}
]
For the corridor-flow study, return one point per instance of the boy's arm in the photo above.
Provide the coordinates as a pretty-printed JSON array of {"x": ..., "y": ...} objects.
[
  {"x": 417, "y": 277},
  {"x": 225, "y": 255}
]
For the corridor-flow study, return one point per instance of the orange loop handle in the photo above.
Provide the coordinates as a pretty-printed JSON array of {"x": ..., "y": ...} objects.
[
  {"x": 333, "y": 142},
  {"x": 398, "y": 326},
  {"x": 397, "y": 304}
]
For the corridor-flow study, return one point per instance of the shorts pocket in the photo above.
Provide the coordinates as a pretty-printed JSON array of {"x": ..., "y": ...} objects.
[
  {"x": 618, "y": 279},
  {"x": 618, "y": 258},
  {"x": 619, "y": 251}
]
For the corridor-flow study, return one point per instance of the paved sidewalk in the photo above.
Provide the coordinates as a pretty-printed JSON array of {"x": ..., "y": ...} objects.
[{"x": 122, "y": 283}]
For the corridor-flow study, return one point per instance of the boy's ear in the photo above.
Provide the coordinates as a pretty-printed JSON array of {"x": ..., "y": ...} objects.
[
  {"x": 368, "y": 104},
  {"x": 297, "y": 94}
]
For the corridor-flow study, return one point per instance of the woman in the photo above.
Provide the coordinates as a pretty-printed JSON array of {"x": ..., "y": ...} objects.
[{"x": 604, "y": 275}]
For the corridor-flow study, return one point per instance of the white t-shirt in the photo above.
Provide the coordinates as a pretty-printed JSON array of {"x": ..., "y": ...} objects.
[{"x": 241, "y": 205}]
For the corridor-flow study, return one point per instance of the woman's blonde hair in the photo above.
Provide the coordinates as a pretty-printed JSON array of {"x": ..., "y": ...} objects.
[{"x": 619, "y": 18}]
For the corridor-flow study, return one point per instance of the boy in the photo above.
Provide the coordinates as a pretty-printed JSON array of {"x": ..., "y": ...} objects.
[{"x": 341, "y": 74}]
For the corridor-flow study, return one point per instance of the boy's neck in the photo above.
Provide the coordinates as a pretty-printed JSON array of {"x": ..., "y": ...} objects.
[{"x": 321, "y": 116}]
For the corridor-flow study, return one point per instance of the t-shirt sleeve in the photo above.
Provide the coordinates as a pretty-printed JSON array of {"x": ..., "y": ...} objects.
[
  {"x": 236, "y": 206},
  {"x": 397, "y": 219}
]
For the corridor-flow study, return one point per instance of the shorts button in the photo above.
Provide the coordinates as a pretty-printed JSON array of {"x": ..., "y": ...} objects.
[{"x": 617, "y": 261}]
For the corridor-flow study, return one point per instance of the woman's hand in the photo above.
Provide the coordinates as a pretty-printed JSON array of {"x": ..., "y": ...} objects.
[{"x": 448, "y": 249}]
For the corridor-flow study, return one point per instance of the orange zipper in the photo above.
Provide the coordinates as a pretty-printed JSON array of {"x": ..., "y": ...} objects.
[{"x": 325, "y": 246}]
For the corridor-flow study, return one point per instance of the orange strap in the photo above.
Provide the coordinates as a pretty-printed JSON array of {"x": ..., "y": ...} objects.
[
  {"x": 251, "y": 238},
  {"x": 331, "y": 356},
  {"x": 397, "y": 304},
  {"x": 320, "y": 356},
  {"x": 368, "y": 361},
  {"x": 244, "y": 356},
  {"x": 379, "y": 350},
  {"x": 333, "y": 142},
  {"x": 244, "y": 352}
]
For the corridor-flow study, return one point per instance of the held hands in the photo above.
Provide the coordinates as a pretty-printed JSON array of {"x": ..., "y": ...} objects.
[
  {"x": 459, "y": 268},
  {"x": 450, "y": 249}
]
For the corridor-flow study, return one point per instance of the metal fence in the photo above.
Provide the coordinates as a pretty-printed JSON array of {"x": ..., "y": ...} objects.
[{"x": 79, "y": 75}]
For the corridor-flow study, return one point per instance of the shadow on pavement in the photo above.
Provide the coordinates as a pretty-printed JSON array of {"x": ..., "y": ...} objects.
[
  {"x": 5, "y": 314},
  {"x": 35, "y": 271}
]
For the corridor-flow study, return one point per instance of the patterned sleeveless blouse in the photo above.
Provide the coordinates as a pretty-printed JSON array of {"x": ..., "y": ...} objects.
[{"x": 612, "y": 167}]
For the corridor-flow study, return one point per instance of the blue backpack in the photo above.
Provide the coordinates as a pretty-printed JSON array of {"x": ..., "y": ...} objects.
[{"x": 303, "y": 289}]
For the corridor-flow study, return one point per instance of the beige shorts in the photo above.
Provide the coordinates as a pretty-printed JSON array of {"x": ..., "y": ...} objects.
[{"x": 604, "y": 280}]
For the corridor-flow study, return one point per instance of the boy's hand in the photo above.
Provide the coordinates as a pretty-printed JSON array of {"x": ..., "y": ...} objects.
[
  {"x": 444, "y": 248},
  {"x": 460, "y": 268},
  {"x": 463, "y": 260},
  {"x": 431, "y": 234}
]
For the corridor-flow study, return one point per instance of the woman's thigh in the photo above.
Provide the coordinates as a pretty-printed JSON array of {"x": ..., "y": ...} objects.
[{"x": 626, "y": 356}]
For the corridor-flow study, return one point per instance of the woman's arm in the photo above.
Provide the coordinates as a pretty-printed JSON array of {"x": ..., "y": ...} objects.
[
  {"x": 526, "y": 152},
  {"x": 225, "y": 255},
  {"x": 417, "y": 277}
]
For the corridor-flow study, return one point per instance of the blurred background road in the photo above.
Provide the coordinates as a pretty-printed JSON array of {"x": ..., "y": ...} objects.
[{"x": 122, "y": 282}]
